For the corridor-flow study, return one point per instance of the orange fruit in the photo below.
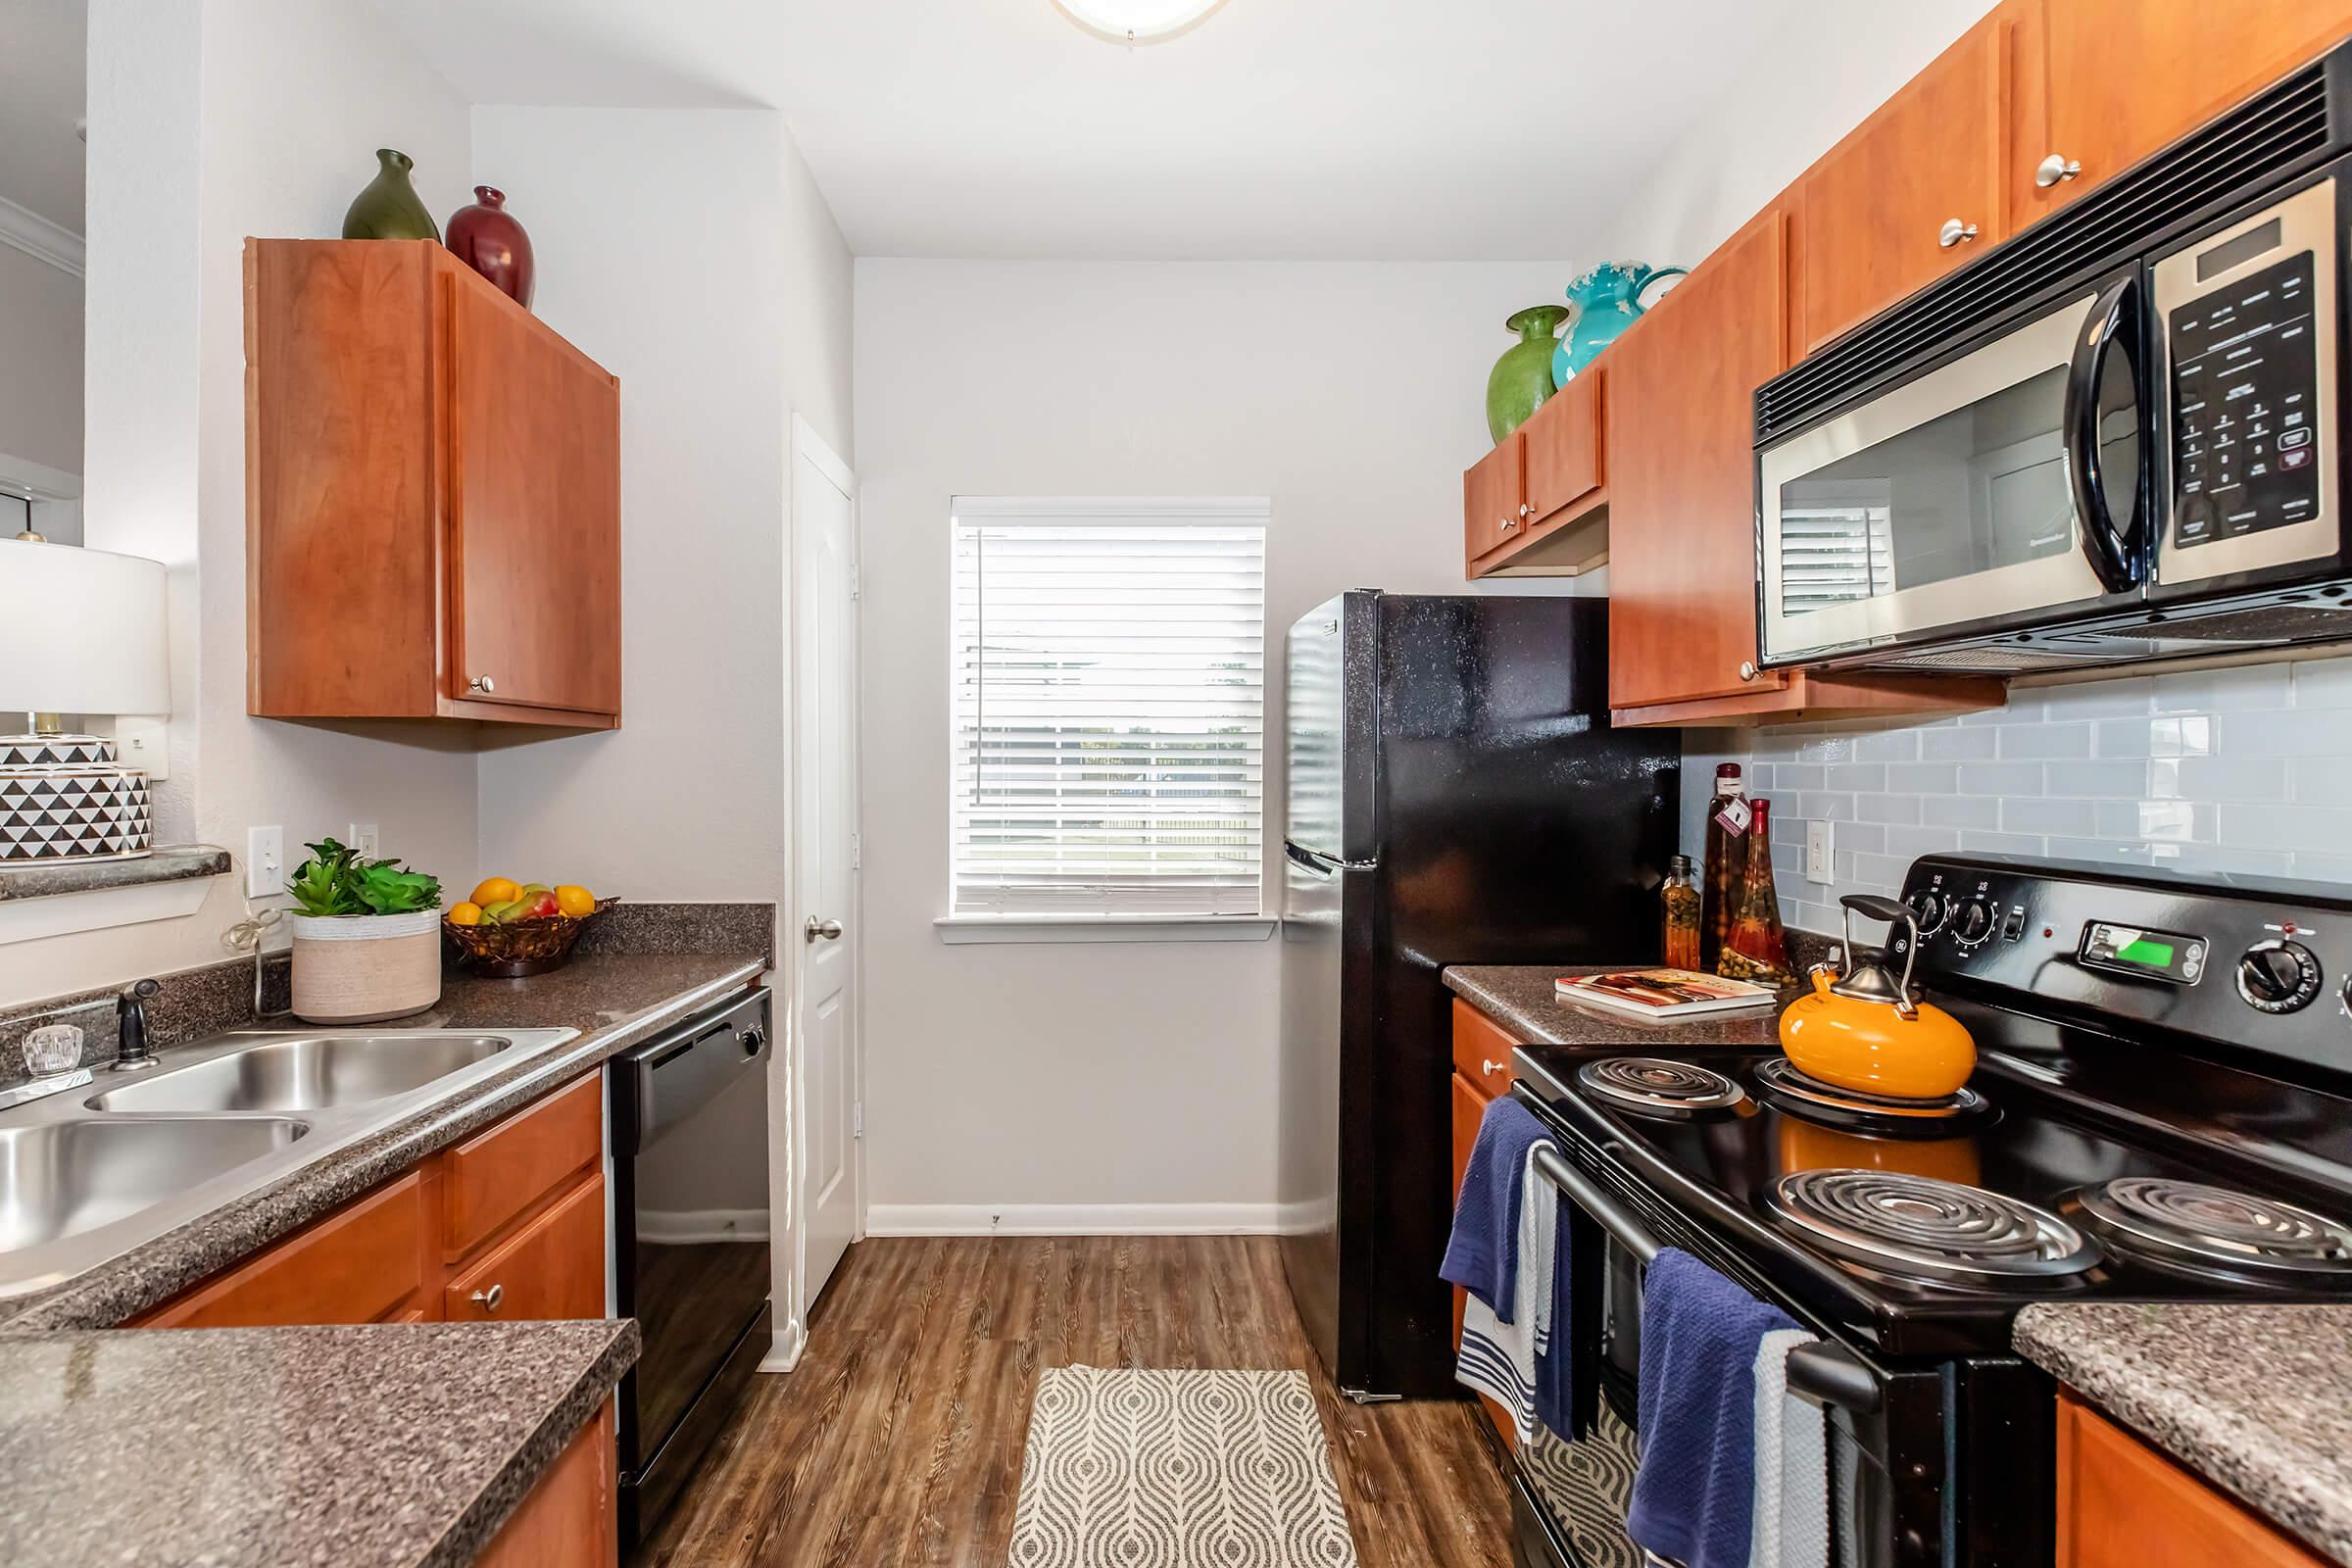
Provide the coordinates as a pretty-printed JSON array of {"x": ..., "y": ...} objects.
[
  {"x": 574, "y": 900},
  {"x": 467, "y": 914},
  {"x": 495, "y": 890}
]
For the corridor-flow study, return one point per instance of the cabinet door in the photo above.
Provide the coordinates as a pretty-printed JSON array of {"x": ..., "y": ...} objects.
[
  {"x": 534, "y": 516},
  {"x": 2122, "y": 1504},
  {"x": 1563, "y": 447},
  {"x": 553, "y": 1267},
  {"x": 1494, "y": 496},
  {"x": 571, "y": 1517},
  {"x": 1910, "y": 195},
  {"x": 1682, "y": 475},
  {"x": 2121, "y": 79},
  {"x": 360, "y": 1264}
]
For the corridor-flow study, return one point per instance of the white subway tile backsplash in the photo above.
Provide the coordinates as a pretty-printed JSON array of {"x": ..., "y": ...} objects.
[{"x": 2244, "y": 772}]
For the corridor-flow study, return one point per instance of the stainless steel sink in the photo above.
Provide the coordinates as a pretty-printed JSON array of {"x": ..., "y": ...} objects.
[
  {"x": 314, "y": 1073},
  {"x": 86, "y": 1176},
  {"x": 63, "y": 1178}
]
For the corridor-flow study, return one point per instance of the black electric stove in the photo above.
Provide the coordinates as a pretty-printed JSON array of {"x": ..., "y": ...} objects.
[{"x": 2161, "y": 1111}]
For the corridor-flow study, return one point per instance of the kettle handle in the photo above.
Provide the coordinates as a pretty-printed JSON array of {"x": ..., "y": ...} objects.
[
  {"x": 1651, "y": 275},
  {"x": 1871, "y": 907}
]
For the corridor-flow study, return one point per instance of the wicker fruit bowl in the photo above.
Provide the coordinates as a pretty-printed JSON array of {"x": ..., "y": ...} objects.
[{"x": 520, "y": 946}]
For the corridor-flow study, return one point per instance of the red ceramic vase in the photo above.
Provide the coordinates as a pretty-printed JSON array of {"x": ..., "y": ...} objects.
[{"x": 486, "y": 238}]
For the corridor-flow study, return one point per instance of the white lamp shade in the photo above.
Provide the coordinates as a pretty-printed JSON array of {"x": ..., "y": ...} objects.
[{"x": 81, "y": 631}]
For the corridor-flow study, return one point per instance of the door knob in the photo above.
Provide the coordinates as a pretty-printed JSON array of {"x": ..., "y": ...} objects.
[
  {"x": 483, "y": 684},
  {"x": 1954, "y": 231},
  {"x": 2055, "y": 168},
  {"x": 830, "y": 930}
]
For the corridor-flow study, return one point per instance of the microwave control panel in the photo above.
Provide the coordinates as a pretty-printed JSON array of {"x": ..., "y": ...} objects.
[{"x": 2246, "y": 430}]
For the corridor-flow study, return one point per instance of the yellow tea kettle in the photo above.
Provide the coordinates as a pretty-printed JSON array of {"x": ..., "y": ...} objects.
[{"x": 1864, "y": 1030}]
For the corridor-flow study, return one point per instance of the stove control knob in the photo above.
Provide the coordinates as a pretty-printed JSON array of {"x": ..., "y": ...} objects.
[
  {"x": 1928, "y": 907},
  {"x": 1973, "y": 922},
  {"x": 2277, "y": 976}
]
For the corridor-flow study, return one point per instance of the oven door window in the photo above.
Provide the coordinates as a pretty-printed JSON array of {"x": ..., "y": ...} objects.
[{"x": 1941, "y": 501}]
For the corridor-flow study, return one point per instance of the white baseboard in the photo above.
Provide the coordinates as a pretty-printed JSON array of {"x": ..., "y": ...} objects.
[
  {"x": 784, "y": 1351},
  {"x": 1071, "y": 1219}
]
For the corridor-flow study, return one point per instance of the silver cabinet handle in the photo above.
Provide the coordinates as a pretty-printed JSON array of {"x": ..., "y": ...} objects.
[
  {"x": 492, "y": 1299},
  {"x": 483, "y": 684},
  {"x": 1526, "y": 508},
  {"x": 1488, "y": 1069},
  {"x": 1747, "y": 670},
  {"x": 829, "y": 930},
  {"x": 1954, "y": 231},
  {"x": 1506, "y": 525},
  {"x": 2055, "y": 168}
]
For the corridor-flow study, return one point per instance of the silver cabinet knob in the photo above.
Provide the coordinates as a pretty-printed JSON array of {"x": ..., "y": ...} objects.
[
  {"x": 1526, "y": 508},
  {"x": 1954, "y": 231},
  {"x": 1747, "y": 670},
  {"x": 483, "y": 684},
  {"x": 2055, "y": 168},
  {"x": 1488, "y": 1069},
  {"x": 492, "y": 1299},
  {"x": 828, "y": 930}
]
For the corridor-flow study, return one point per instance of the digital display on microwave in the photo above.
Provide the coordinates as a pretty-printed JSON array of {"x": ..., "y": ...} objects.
[{"x": 2239, "y": 251}]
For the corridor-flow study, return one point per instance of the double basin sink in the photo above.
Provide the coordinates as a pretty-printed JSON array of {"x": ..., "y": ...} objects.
[{"x": 111, "y": 1160}]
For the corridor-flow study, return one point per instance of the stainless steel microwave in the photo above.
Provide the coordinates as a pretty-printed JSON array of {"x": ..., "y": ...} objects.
[{"x": 2116, "y": 438}]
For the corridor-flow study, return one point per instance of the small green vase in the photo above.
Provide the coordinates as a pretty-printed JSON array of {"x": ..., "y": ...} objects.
[
  {"x": 1522, "y": 379},
  {"x": 389, "y": 208}
]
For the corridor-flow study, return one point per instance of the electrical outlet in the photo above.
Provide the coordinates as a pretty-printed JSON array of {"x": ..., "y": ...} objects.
[
  {"x": 1821, "y": 851},
  {"x": 362, "y": 840},
  {"x": 264, "y": 861},
  {"x": 146, "y": 745}
]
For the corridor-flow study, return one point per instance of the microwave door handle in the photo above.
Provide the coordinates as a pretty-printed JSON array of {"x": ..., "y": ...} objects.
[
  {"x": 1623, "y": 1227},
  {"x": 2113, "y": 321}
]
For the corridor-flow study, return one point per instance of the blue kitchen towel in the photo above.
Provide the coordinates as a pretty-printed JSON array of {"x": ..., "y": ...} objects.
[
  {"x": 1481, "y": 1254},
  {"x": 1563, "y": 1377},
  {"x": 1695, "y": 1490}
]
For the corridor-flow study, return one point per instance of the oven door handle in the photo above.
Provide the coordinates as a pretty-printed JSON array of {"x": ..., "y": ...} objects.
[
  {"x": 1629, "y": 1232},
  {"x": 2113, "y": 322},
  {"x": 1827, "y": 1374}
]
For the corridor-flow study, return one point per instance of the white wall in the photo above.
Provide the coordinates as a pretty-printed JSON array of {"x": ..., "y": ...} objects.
[
  {"x": 1001, "y": 1077},
  {"x": 688, "y": 252},
  {"x": 40, "y": 363},
  {"x": 213, "y": 119}
]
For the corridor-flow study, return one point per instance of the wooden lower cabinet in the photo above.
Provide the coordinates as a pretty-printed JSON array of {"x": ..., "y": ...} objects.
[
  {"x": 570, "y": 1519},
  {"x": 553, "y": 1266},
  {"x": 2122, "y": 1504},
  {"x": 367, "y": 1262},
  {"x": 1476, "y": 1038}
]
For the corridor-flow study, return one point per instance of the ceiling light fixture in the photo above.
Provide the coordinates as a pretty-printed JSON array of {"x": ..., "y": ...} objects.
[{"x": 1137, "y": 21}]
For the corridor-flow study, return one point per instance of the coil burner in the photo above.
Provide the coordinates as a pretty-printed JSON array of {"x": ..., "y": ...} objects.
[
  {"x": 2198, "y": 1229},
  {"x": 1925, "y": 1229},
  {"x": 1657, "y": 1087}
]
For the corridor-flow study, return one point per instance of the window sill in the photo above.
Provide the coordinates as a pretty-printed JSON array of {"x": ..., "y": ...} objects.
[{"x": 969, "y": 928}]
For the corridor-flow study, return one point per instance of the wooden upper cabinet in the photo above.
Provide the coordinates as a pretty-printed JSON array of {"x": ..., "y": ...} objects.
[
  {"x": 2105, "y": 82},
  {"x": 1914, "y": 192},
  {"x": 432, "y": 495},
  {"x": 1682, "y": 475},
  {"x": 1494, "y": 500}
]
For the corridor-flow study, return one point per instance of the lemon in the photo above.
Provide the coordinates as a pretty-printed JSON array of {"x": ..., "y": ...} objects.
[
  {"x": 574, "y": 900},
  {"x": 495, "y": 890},
  {"x": 467, "y": 914}
]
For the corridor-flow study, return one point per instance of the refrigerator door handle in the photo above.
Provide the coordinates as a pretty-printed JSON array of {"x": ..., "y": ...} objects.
[{"x": 1323, "y": 865}]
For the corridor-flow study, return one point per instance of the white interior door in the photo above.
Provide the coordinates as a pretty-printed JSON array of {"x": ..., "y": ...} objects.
[{"x": 824, "y": 932}]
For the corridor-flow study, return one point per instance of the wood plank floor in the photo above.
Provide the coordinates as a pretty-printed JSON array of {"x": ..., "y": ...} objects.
[{"x": 898, "y": 1439}]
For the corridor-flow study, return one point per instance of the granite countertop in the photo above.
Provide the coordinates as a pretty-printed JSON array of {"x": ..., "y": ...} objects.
[
  {"x": 1520, "y": 997},
  {"x": 2258, "y": 1400},
  {"x": 614, "y": 1000},
  {"x": 396, "y": 1444}
]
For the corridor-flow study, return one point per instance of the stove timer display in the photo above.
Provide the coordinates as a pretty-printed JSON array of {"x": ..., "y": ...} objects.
[{"x": 2162, "y": 956}]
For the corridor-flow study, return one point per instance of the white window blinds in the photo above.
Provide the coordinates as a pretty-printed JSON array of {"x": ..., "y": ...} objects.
[{"x": 1110, "y": 702}]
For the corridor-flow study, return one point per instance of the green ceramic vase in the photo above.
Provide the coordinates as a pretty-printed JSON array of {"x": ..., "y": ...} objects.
[
  {"x": 389, "y": 208},
  {"x": 1522, "y": 379}
]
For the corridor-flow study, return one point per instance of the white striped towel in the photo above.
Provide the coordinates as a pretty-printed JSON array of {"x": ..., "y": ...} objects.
[
  {"x": 1789, "y": 1527},
  {"x": 1498, "y": 1358}
]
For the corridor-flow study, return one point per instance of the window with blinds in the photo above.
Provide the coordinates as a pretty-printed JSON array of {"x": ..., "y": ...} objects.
[{"x": 1109, "y": 705}]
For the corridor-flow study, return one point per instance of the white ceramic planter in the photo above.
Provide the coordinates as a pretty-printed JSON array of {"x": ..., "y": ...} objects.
[{"x": 363, "y": 968}]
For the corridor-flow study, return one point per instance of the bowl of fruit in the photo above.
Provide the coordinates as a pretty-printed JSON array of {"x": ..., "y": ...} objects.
[{"x": 516, "y": 929}]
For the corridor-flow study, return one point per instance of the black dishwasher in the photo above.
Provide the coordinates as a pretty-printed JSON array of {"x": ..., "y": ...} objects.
[{"x": 690, "y": 1218}]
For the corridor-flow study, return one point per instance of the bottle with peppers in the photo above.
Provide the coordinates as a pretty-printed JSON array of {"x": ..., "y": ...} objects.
[{"x": 1726, "y": 858}]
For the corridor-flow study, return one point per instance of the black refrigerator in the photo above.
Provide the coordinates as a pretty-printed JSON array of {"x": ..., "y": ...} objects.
[{"x": 1455, "y": 795}]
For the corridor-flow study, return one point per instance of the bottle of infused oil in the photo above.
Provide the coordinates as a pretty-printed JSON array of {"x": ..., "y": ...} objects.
[
  {"x": 1726, "y": 844},
  {"x": 1757, "y": 947},
  {"x": 1682, "y": 905}
]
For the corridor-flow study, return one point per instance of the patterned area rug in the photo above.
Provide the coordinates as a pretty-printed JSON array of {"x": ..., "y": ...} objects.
[{"x": 1146, "y": 1469}]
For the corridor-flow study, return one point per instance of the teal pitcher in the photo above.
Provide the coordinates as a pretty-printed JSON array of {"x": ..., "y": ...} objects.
[{"x": 1608, "y": 299}]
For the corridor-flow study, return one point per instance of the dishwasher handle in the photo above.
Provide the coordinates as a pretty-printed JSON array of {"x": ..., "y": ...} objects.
[{"x": 670, "y": 1078}]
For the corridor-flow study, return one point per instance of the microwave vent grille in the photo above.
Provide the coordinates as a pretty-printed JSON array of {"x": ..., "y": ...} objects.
[
  {"x": 2230, "y": 156},
  {"x": 2262, "y": 623},
  {"x": 2006, "y": 660}
]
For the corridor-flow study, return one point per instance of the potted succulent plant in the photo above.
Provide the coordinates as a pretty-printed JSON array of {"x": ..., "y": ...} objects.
[{"x": 366, "y": 937}]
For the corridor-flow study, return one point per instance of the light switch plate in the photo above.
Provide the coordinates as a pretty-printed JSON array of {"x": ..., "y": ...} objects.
[
  {"x": 264, "y": 861},
  {"x": 146, "y": 745},
  {"x": 1821, "y": 853},
  {"x": 362, "y": 840}
]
